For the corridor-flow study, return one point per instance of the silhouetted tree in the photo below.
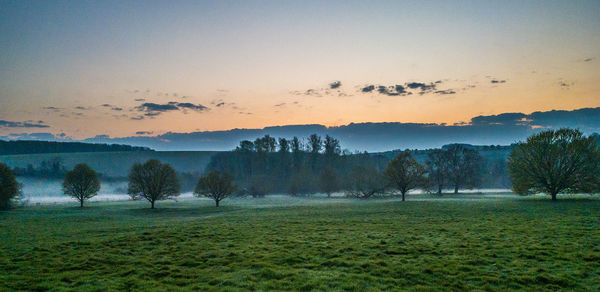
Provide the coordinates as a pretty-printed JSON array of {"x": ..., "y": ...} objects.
[
  {"x": 437, "y": 169},
  {"x": 9, "y": 187},
  {"x": 284, "y": 145},
  {"x": 265, "y": 144},
  {"x": 328, "y": 181},
  {"x": 215, "y": 185},
  {"x": 366, "y": 182},
  {"x": 81, "y": 183},
  {"x": 332, "y": 146},
  {"x": 245, "y": 146},
  {"x": 405, "y": 173},
  {"x": 153, "y": 181},
  {"x": 464, "y": 166},
  {"x": 315, "y": 143},
  {"x": 555, "y": 162}
]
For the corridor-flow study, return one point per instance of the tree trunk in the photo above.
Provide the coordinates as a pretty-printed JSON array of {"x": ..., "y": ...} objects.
[
  {"x": 217, "y": 203},
  {"x": 403, "y": 193},
  {"x": 553, "y": 197},
  {"x": 439, "y": 189},
  {"x": 456, "y": 189},
  {"x": 81, "y": 203},
  {"x": 328, "y": 195},
  {"x": 152, "y": 204}
]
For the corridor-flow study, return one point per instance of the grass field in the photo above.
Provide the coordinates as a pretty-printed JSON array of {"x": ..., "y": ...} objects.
[{"x": 455, "y": 242}]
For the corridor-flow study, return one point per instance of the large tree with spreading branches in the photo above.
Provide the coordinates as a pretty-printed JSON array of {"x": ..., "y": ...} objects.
[{"x": 555, "y": 162}]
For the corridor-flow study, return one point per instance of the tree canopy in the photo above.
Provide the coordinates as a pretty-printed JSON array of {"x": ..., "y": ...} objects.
[
  {"x": 215, "y": 185},
  {"x": 405, "y": 173},
  {"x": 81, "y": 183},
  {"x": 153, "y": 181},
  {"x": 555, "y": 162}
]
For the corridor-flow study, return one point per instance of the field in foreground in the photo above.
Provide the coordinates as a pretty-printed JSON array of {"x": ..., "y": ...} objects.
[{"x": 457, "y": 242}]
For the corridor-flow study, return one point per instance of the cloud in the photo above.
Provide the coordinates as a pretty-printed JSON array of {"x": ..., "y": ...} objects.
[
  {"x": 447, "y": 91},
  {"x": 81, "y": 108},
  {"x": 137, "y": 118},
  {"x": 140, "y": 99},
  {"x": 112, "y": 107},
  {"x": 501, "y": 119},
  {"x": 220, "y": 104},
  {"x": 422, "y": 86},
  {"x": 497, "y": 81},
  {"x": 280, "y": 104},
  {"x": 588, "y": 59},
  {"x": 144, "y": 133},
  {"x": 28, "y": 124},
  {"x": 187, "y": 105},
  {"x": 403, "y": 90},
  {"x": 151, "y": 109},
  {"x": 52, "y": 108},
  {"x": 565, "y": 84},
  {"x": 368, "y": 88},
  {"x": 335, "y": 84}
]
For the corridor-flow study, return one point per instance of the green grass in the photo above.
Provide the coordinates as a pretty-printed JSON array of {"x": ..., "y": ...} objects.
[{"x": 487, "y": 243}]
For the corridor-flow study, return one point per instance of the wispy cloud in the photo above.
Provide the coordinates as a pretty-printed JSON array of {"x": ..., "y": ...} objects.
[
  {"x": 26, "y": 124},
  {"x": 151, "y": 109}
]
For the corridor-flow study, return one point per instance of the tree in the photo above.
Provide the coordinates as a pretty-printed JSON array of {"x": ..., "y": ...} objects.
[
  {"x": 215, "y": 185},
  {"x": 315, "y": 143},
  {"x": 284, "y": 145},
  {"x": 464, "y": 166},
  {"x": 153, "y": 181},
  {"x": 405, "y": 173},
  {"x": 9, "y": 187},
  {"x": 81, "y": 183},
  {"x": 437, "y": 169},
  {"x": 332, "y": 146},
  {"x": 366, "y": 182},
  {"x": 328, "y": 181},
  {"x": 555, "y": 162},
  {"x": 245, "y": 146}
]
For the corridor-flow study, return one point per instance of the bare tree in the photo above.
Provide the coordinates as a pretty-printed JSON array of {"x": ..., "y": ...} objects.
[
  {"x": 153, "y": 181},
  {"x": 81, "y": 183},
  {"x": 554, "y": 162},
  {"x": 405, "y": 173},
  {"x": 215, "y": 185}
]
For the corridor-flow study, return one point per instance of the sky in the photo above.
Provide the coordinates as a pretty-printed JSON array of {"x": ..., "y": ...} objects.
[{"x": 123, "y": 68}]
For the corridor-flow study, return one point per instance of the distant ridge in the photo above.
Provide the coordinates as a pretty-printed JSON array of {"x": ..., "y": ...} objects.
[{"x": 37, "y": 147}]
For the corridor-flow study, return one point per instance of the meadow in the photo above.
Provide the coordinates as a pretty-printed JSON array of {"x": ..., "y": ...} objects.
[{"x": 454, "y": 242}]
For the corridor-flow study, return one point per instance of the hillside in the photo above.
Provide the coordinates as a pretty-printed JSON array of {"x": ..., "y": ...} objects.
[
  {"x": 32, "y": 147},
  {"x": 115, "y": 164}
]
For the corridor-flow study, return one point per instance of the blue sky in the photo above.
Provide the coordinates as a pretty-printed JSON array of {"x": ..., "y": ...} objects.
[{"x": 264, "y": 63}]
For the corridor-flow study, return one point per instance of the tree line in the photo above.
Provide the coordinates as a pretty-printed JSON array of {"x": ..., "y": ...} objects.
[
  {"x": 35, "y": 147},
  {"x": 551, "y": 162}
]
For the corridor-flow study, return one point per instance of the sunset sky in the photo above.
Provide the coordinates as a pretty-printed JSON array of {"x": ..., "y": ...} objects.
[{"x": 87, "y": 68}]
